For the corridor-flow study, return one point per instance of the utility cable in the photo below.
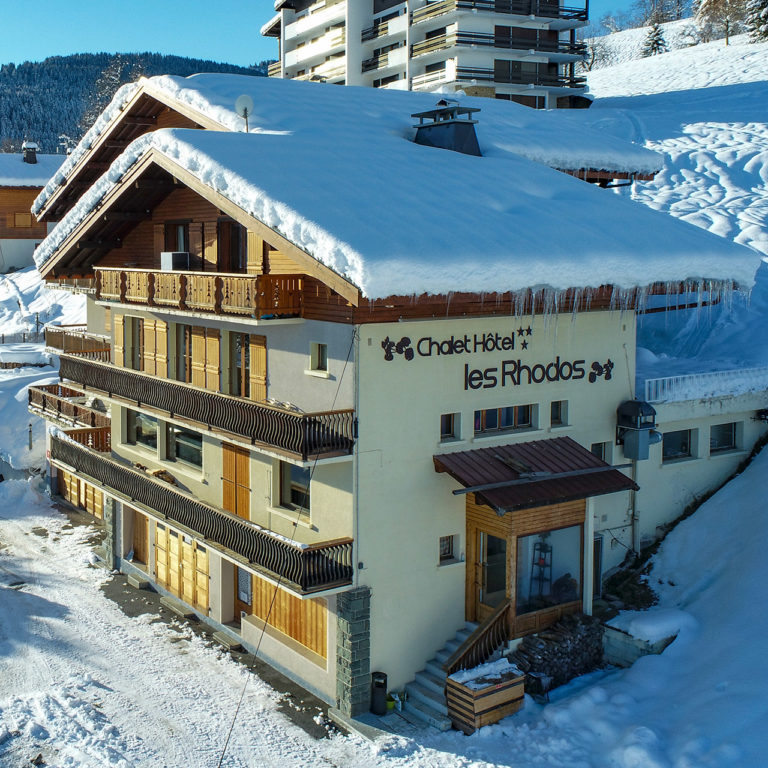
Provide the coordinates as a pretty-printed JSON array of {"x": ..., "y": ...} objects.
[{"x": 280, "y": 577}]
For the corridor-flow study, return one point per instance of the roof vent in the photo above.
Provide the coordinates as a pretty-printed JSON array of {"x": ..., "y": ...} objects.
[
  {"x": 29, "y": 150},
  {"x": 448, "y": 126}
]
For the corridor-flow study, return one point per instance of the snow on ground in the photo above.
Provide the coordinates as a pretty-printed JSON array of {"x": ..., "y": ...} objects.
[{"x": 705, "y": 109}]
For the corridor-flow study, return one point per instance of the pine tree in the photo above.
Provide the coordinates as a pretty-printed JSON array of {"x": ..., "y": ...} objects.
[
  {"x": 654, "y": 42},
  {"x": 757, "y": 20},
  {"x": 721, "y": 14}
]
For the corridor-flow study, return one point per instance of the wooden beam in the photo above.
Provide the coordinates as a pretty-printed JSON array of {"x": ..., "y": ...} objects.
[
  {"x": 153, "y": 184},
  {"x": 135, "y": 120},
  {"x": 103, "y": 245},
  {"x": 115, "y": 145}
]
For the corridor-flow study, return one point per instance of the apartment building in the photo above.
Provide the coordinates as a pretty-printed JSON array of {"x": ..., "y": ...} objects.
[
  {"x": 519, "y": 50},
  {"x": 349, "y": 423}
]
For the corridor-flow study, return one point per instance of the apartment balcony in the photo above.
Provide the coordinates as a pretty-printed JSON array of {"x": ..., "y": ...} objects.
[
  {"x": 540, "y": 8},
  {"x": 65, "y": 405},
  {"x": 326, "y": 72},
  {"x": 330, "y": 42},
  {"x": 318, "y": 15},
  {"x": 531, "y": 79},
  {"x": 274, "y": 69},
  {"x": 301, "y": 568},
  {"x": 260, "y": 296},
  {"x": 561, "y": 48},
  {"x": 431, "y": 79},
  {"x": 73, "y": 339},
  {"x": 382, "y": 29},
  {"x": 394, "y": 58},
  {"x": 294, "y": 434}
]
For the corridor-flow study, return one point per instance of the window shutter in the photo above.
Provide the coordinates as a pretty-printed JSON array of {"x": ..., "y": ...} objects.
[
  {"x": 118, "y": 324},
  {"x": 196, "y": 243},
  {"x": 198, "y": 356},
  {"x": 148, "y": 358},
  {"x": 212, "y": 360},
  {"x": 161, "y": 349},
  {"x": 159, "y": 240},
  {"x": 258, "y": 367},
  {"x": 210, "y": 247}
]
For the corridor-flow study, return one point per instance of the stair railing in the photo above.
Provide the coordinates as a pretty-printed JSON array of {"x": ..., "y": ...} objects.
[{"x": 481, "y": 644}]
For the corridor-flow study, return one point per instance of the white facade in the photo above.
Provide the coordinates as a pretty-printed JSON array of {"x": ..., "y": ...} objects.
[{"x": 523, "y": 50}]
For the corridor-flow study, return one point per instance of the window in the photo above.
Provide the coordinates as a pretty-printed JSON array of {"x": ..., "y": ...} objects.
[
  {"x": 240, "y": 364},
  {"x": 184, "y": 445},
  {"x": 294, "y": 487},
  {"x": 177, "y": 236},
  {"x": 22, "y": 220},
  {"x": 722, "y": 437},
  {"x": 449, "y": 426},
  {"x": 183, "y": 353},
  {"x": 549, "y": 569},
  {"x": 677, "y": 445},
  {"x": 134, "y": 357},
  {"x": 244, "y": 587},
  {"x": 318, "y": 354},
  {"x": 558, "y": 413},
  {"x": 142, "y": 429},
  {"x": 600, "y": 450},
  {"x": 448, "y": 549},
  {"x": 498, "y": 419}
]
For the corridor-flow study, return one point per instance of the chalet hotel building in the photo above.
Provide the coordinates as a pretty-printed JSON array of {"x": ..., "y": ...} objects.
[{"x": 360, "y": 411}]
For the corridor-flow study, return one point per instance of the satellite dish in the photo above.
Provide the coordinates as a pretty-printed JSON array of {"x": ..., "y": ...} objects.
[{"x": 244, "y": 107}]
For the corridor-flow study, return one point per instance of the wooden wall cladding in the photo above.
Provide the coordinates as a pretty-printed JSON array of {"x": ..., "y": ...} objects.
[
  {"x": 15, "y": 201},
  {"x": 305, "y": 621},
  {"x": 81, "y": 494}
]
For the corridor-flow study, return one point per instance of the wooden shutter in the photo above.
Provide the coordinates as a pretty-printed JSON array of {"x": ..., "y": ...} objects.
[
  {"x": 254, "y": 253},
  {"x": 159, "y": 241},
  {"x": 236, "y": 480},
  {"x": 196, "y": 243},
  {"x": 210, "y": 247},
  {"x": 258, "y": 369},
  {"x": 118, "y": 324},
  {"x": 149, "y": 346},
  {"x": 201, "y": 577},
  {"x": 212, "y": 360},
  {"x": 198, "y": 355},
  {"x": 188, "y": 571},
  {"x": 107, "y": 319},
  {"x": 161, "y": 349}
]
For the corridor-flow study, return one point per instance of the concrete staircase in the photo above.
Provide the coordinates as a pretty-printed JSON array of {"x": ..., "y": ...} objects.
[{"x": 425, "y": 704}]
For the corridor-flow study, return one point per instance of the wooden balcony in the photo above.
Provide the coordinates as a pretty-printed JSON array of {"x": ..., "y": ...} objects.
[
  {"x": 304, "y": 569},
  {"x": 298, "y": 435},
  {"x": 56, "y": 402},
  {"x": 73, "y": 340},
  {"x": 261, "y": 296},
  {"x": 542, "y": 8}
]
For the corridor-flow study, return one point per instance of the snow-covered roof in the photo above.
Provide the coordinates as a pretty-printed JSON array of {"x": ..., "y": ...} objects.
[
  {"x": 394, "y": 217},
  {"x": 555, "y": 138},
  {"x": 14, "y": 172}
]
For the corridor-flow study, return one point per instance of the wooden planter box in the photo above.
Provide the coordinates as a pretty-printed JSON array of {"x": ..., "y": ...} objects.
[{"x": 484, "y": 700}]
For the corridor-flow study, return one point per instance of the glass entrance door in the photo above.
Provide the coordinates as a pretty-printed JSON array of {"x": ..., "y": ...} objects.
[{"x": 492, "y": 573}]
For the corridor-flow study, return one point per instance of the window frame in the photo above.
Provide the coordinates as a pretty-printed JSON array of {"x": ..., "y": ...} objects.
[
  {"x": 682, "y": 455},
  {"x": 734, "y": 443},
  {"x": 171, "y": 441},
  {"x": 499, "y": 417},
  {"x": 287, "y": 485},
  {"x": 132, "y": 417}
]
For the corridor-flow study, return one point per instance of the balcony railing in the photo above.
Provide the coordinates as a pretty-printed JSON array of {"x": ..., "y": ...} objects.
[
  {"x": 442, "y": 42},
  {"x": 543, "y": 8},
  {"x": 523, "y": 78},
  {"x": 302, "y": 435},
  {"x": 694, "y": 386},
  {"x": 377, "y": 30},
  {"x": 96, "y": 438},
  {"x": 274, "y": 69},
  {"x": 376, "y": 62},
  {"x": 55, "y": 401},
  {"x": 430, "y": 78},
  {"x": 305, "y": 569},
  {"x": 71, "y": 340},
  {"x": 221, "y": 294}
]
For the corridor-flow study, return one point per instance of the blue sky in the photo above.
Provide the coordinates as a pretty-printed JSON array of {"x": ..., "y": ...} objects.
[{"x": 222, "y": 30}]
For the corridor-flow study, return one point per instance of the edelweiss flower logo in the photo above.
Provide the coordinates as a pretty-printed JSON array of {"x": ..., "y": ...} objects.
[{"x": 402, "y": 347}]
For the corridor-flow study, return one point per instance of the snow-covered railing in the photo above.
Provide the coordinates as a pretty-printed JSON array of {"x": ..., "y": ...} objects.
[
  {"x": 22, "y": 337},
  {"x": 694, "y": 386}
]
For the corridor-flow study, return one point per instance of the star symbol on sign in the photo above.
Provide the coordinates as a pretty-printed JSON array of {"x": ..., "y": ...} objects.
[
  {"x": 524, "y": 345},
  {"x": 520, "y": 331},
  {"x": 529, "y": 331}
]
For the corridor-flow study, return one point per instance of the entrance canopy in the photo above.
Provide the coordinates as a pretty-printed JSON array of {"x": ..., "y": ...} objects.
[{"x": 532, "y": 474}]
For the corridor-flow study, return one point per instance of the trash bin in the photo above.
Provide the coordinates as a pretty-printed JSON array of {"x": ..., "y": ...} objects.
[{"x": 379, "y": 693}]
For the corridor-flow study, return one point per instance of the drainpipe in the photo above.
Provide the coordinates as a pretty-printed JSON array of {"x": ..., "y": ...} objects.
[
  {"x": 633, "y": 511},
  {"x": 356, "y": 459}
]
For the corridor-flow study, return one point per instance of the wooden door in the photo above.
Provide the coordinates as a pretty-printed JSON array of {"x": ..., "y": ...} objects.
[
  {"x": 188, "y": 575},
  {"x": 201, "y": 577},
  {"x": 258, "y": 367},
  {"x": 236, "y": 480},
  {"x": 174, "y": 563},
  {"x": 140, "y": 537},
  {"x": 161, "y": 554}
]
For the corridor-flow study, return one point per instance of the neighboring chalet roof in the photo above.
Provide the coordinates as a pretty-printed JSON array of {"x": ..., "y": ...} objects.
[
  {"x": 14, "y": 172},
  {"x": 555, "y": 138},
  {"x": 396, "y": 218},
  {"x": 539, "y": 472}
]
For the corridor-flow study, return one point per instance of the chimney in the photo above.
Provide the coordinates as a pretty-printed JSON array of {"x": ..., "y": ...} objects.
[
  {"x": 29, "y": 150},
  {"x": 448, "y": 126}
]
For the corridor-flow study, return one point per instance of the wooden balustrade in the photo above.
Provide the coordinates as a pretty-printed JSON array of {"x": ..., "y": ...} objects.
[
  {"x": 302, "y": 435},
  {"x": 227, "y": 294},
  {"x": 305, "y": 569},
  {"x": 96, "y": 438},
  {"x": 55, "y": 401},
  {"x": 75, "y": 342},
  {"x": 481, "y": 644}
]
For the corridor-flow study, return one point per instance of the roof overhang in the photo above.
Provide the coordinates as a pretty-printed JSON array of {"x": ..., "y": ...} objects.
[
  {"x": 142, "y": 187},
  {"x": 534, "y": 474}
]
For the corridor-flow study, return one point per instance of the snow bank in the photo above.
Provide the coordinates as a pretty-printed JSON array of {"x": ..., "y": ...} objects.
[{"x": 654, "y": 624}]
